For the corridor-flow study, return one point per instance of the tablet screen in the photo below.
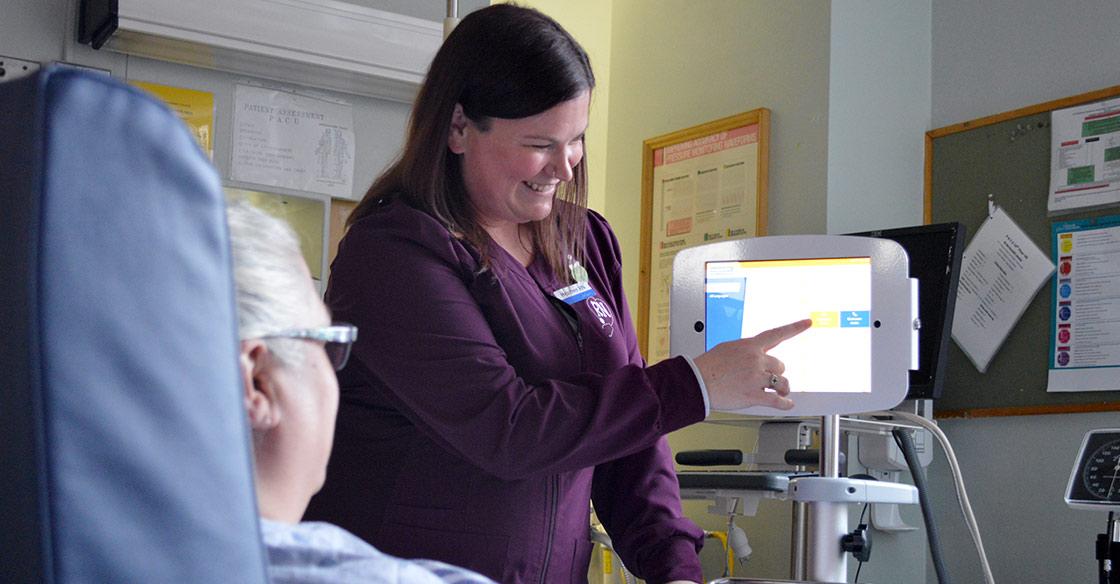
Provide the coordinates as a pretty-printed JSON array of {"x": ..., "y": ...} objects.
[{"x": 744, "y": 298}]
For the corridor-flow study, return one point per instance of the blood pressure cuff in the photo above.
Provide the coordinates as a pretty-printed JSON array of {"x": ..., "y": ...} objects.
[{"x": 122, "y": 434}]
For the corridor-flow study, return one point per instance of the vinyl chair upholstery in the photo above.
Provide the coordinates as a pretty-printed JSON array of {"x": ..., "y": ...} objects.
[{"x": 122, "y": 435}]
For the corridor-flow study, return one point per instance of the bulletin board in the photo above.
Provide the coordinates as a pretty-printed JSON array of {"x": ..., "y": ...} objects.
[
  {"x": 700, "y": 184},
  {"x": 1008, "y": 156}
]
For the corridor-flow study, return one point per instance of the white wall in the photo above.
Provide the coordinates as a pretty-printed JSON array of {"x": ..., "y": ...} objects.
[
  {"x": 990, "y": 57},
  {"x": 878, "y": 112},
  {"x": 32, "y": 30},
  {"x": 998, "y": 55},
  {"x": 427, "y": 9},
  {"x": 1015, "y": 469}
]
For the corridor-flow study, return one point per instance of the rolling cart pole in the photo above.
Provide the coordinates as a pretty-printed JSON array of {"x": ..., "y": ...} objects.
[
  {"x": 1108, "y": 552},
  {"x": 797, "y": 541},
  {"x": 828, "y": 520}
]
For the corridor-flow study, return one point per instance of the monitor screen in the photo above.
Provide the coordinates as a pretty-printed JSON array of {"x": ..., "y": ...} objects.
[
  {"x": 744, "y": 298},
  {"x": 935, "y": 260}
]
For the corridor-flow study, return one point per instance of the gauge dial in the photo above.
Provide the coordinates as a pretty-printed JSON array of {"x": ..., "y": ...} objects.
[
  {"x": 1102, "y": 472},
  {"x": 1095, "y": 482}
]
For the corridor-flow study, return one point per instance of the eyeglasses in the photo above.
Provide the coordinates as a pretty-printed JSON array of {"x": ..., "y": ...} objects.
[{"x": 337, "y": 340}]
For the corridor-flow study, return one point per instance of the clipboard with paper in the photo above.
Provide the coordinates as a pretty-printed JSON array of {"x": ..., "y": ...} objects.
[{"x": 1001, "y": 272}]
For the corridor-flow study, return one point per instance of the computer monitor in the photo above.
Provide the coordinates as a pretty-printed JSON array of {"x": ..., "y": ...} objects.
[
  {"x": 857, "y": 290},
  {"x": 935, "y": 260}
]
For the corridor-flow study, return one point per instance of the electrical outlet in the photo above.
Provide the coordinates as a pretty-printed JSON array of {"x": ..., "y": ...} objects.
[
  {"x": 12, "y": 68},
  {"x": 881, "y": 453}
]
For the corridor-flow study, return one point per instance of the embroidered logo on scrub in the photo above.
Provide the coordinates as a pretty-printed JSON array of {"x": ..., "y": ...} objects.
[{"x": 603, "y": 314}]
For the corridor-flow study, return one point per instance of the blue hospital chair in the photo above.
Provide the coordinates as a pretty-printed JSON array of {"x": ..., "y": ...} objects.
[{"x": 123, "y": 444}]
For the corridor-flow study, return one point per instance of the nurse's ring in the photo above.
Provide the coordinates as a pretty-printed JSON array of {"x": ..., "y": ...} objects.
[{"x": 773, "y": 381}]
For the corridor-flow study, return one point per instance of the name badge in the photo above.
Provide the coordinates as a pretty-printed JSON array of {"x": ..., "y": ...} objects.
[{"x": 575, "y": 293}]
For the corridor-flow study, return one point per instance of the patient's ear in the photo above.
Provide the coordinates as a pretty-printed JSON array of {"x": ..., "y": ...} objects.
[{"x": 258, "y": 384}]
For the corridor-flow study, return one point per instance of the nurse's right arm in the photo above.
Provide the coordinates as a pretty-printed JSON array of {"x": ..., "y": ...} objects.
[{"x": 426, "y": 343}]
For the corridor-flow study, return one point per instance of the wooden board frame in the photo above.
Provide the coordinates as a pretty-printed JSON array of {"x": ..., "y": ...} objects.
[
  {"x": 927, "y": 209},
  {"x": 759, "y": 117},
  {"x": 927, "y": 214}
]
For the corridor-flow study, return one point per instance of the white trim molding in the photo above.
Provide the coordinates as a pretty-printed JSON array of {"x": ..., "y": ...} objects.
[{"x": 326, "y": 44}]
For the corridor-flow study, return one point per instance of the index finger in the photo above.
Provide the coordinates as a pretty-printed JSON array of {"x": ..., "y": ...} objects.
[{"x": 774, "y": 336}]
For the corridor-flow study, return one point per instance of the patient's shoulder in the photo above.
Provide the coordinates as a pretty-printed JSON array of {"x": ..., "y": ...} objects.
[
  {"x": 325, "y": 553},
  {"x": 304, "y": 538}
]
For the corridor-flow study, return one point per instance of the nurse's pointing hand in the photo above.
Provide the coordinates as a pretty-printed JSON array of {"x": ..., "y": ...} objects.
[{"x": 738, "y": 373}]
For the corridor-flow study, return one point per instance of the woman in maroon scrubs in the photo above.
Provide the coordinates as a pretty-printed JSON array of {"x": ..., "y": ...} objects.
[{"x": 497, "y": 387}]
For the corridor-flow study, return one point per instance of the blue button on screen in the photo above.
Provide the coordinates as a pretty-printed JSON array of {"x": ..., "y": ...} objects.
[{"x": 855, "y": 318}]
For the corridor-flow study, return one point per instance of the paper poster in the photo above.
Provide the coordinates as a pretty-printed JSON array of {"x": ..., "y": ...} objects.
[
  {"x": 305, "y": 215},
  {"x": 195, "y": 108},
  {"x": 1085, "y": 319},
  {"x": 705, "y": 190},
  {"x": 292, "y": 140},
  {"x": 1001, "y": 271},
  {"x": 1085, "y": 156}
]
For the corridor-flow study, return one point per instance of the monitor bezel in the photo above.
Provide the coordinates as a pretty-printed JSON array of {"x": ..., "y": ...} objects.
[
  {"x": 891, "y": 306},
  {"x": 932, "y": 389}
]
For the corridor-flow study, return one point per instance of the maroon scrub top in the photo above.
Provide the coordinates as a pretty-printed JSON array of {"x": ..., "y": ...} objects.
[{"x": 480, "y": 413}]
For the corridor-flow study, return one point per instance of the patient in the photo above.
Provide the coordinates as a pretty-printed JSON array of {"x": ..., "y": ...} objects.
[{"x": 289, "y": 353}]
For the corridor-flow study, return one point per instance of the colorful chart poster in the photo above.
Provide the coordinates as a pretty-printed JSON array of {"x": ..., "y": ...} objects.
[
  {"x": 195, "y": 108},
  {"x": 705, "y": 189},
  {"x": 1085, "y": 329},
  {"x": 289, "y": 139},
  {"x": 1085, "y": 157}
]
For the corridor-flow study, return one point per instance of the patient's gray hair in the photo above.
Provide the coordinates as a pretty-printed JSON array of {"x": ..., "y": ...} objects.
[{"x": 273, "y": 292}]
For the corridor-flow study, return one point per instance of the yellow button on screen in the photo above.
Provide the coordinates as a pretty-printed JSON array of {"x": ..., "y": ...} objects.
[{"x": 825, "y": 319}]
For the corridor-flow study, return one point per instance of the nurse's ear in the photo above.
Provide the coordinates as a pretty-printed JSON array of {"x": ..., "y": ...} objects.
[{"x": 457, "y": 138}]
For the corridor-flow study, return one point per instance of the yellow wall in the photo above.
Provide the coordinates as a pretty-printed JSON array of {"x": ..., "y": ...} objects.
[
  {"x": 679, "y": 63},
  {"x": 663, "y": 65},
  {"x": 675, "y": 64},
  {"x": 589, "y": 21}
]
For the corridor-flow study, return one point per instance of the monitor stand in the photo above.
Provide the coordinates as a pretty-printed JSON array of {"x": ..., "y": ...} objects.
[{"x": 827, "y": 498}]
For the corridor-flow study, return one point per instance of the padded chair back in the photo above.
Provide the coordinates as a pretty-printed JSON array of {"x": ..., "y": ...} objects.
[{"x": 122, "y": 438}]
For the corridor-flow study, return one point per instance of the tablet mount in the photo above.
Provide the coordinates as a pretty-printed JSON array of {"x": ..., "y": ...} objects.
[{"x": 893, "y": 309}]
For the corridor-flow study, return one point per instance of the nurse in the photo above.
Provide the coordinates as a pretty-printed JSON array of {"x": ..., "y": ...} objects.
[{"x": 497, "y": 387}]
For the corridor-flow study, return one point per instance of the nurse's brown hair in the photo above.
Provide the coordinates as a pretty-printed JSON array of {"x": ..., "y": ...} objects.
[{"x": 502, "y": 61}]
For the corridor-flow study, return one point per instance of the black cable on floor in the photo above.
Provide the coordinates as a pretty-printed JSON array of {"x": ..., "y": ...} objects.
[{"x": 906, "y": 444}]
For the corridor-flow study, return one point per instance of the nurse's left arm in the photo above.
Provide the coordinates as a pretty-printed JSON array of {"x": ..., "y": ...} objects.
[{"x": 637, "y": 499}]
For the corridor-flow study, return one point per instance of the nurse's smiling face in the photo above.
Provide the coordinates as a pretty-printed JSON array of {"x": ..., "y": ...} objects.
[{"x": 512, "y": 168}]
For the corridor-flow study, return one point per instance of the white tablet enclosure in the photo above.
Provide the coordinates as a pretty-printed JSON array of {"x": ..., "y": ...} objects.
[{"x": 857, "y": 290}]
